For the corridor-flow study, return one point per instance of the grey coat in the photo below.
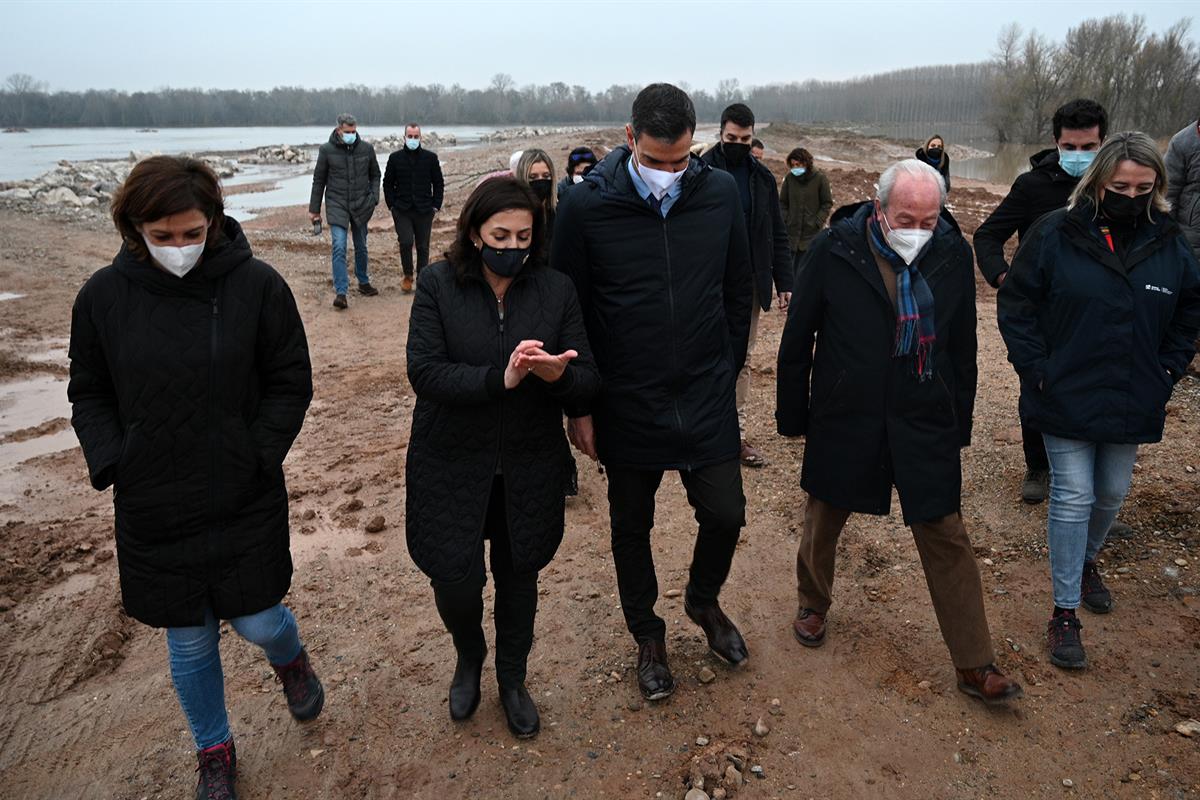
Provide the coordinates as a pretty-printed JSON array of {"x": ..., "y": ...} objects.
[
  {"x": 348, "y": 178},
  {"x": 1183, "y": 182}
]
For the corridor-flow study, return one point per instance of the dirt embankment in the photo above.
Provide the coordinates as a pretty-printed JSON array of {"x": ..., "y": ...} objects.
[{"x": 89, "y": 710}]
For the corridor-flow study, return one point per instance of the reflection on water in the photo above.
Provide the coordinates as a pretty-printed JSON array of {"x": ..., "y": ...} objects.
[{"x": 1009, "y": 161}]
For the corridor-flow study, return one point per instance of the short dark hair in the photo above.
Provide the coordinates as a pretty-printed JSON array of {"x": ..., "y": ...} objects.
[
  {"x": 802, "y": 156},
  {"x": 408, "y": 125},
  {"x": 662, "y": 111},
  {"x": 757, "y": 143},
  {"x": 160, "y": 186},
  {"x": 494, "y": 195},
  {"x": 738, "y": 114},
  {"x": 1079, "y": 115}
]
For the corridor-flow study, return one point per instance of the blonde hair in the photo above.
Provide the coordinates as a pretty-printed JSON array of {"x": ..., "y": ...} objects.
[
  {"x": 526, "y": 162},
  {"x": 1132, "y": 146}
]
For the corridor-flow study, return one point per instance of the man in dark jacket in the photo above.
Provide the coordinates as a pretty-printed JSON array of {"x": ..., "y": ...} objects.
[
  {"x": 656, "y": 244},
  {"x": 769, "y": 254},
  {"x": 347, "y": 176},
  {"x": 1183, "y": 182},
  {"x": 888, "y": 293},
  {"x": 413, "y": 189},
  {"x": 1079, "y": 128}
]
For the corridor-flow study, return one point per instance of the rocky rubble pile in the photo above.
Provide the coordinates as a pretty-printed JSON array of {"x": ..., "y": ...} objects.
[
  {"x": 278, "y": 154},
  {"x": 528, "y": 132},
  {"x": 87, "y": 184},
  {"x": 431, "y": 140}
]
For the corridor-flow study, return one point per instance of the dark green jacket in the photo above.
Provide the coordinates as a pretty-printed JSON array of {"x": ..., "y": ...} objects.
[
  {"x": 348, "y": 178},
  {"x": 806, "y": 202}
]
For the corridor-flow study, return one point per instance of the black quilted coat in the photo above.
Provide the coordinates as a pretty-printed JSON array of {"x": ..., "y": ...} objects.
[
  {"x": 186, "y": 395},
  {"x": 466, "y": 425}
]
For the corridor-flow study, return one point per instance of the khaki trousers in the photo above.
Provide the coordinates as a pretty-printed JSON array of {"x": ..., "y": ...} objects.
[{"x": 950, "y": 572}]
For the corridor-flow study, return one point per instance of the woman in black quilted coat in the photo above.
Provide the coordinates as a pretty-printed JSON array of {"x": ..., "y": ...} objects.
[
  {"x": 496, "y": 352},
  {"x": 190, "y": 379}
]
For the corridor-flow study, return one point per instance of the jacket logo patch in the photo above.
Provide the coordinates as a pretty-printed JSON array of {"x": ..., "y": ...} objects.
[{"x": 1152, "y": 288}]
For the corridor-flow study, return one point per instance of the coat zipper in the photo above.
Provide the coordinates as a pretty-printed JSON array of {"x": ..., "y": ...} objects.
[
  {"x": 674, "y": 340},
  {"x": 214, "y": 429}
]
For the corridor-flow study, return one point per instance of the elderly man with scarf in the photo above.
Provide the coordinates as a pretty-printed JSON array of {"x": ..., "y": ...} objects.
[{"x": 888, "y": 294}]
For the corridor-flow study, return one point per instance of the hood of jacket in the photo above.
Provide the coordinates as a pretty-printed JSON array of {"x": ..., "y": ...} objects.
[{"x": 223, "y": 254}]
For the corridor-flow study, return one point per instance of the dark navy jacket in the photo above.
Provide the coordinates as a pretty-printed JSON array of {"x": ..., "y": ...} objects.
[{"x": 1099, "y": 341}]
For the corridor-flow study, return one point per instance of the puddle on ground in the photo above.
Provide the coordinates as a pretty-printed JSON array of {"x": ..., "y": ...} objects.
[
  {"x": 10, "y": 296},
  {"x": 30, "y": 402}
]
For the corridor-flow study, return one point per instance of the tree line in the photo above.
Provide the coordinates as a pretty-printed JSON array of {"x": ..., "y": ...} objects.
[{"x": 1149, "y": 81}]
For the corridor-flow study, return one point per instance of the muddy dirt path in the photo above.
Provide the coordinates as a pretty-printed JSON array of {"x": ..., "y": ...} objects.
[{"x": 88, "y": 709}]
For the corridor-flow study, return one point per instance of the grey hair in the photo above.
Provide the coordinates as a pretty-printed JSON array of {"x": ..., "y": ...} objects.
[
  {"x": 347, "y": 119},
  {"x": 909, "y": 166},
  {"x": 1132, "y": 146}
]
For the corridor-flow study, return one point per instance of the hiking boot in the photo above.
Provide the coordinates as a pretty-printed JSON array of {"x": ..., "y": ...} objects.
[
  {"x": 1036, "y": 486},
  {"x": 367, "y": 290},
  {"x": 305, "y": 695},
  {"x": 217, "y": 767},
  {"x": 1094, "y": 594},
  {"x": 1064, "y": 643},
  {"x": 339, "y": 302},
  {"x": 406, "y": 284},
  {"x": 1119, "y": 530}
]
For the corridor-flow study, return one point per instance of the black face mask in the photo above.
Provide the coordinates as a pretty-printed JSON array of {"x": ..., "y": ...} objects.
[
  {"x": 1123, "y": 208},
  {"x": 541, "y": 187},
  {"x": 735, "y": 153},
  {"x": 935, "y": 153},
  {"x": 505, "y": 262}
]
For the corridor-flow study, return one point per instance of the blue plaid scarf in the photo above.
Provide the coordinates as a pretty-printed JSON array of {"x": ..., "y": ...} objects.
[{"x": 915, "y": 331}]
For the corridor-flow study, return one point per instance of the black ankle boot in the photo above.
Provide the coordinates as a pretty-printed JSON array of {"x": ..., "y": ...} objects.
[
  {"x": 464, "y": 689},
  {"x": 520, "y": 711}
]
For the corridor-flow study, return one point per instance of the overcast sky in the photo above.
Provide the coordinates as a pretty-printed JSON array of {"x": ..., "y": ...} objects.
[{"x": 258, "y": 45}]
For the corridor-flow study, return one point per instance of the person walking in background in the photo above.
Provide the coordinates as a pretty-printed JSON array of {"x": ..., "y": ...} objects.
[
  {"x": 757, "y": 149},
  {"x": 536, "y": 170},
  {"x": 769, "y": 254},
  {"x": 1183, "y": 182},
  {"x": 886, "y": 399},
  {"x": 496, "y": 351},
  {"x": 1100, "y": 313},
  {"x": 806, "y": 201},
  {"x": 579, "y": 163},
  {"x": 190, "y": 379},
  {"x": 1079, "y": 128},
  {"x": 934, "y": 154},
  {"x": 347, "y": 178},
  {"x": 656, "y": 244},
  {"x": 413, "y": 189}
]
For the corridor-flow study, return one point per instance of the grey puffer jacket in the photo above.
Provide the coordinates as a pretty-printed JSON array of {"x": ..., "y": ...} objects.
[
  {"x": 348, "y": 178},
  {"x": 1183, "y": 182}
]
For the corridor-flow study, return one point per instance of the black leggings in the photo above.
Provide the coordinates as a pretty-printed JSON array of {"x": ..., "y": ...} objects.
[{"x": 460, "y": 604}]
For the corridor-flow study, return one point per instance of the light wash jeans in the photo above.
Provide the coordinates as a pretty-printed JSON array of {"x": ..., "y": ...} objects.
[
  {"x": 195, "y": 657},
  {"x": 1088, "y": 483},
  {"x": 341, "y": 282}
]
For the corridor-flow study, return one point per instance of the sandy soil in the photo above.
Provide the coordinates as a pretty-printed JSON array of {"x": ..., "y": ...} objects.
[{"x": 88, "y": 709}]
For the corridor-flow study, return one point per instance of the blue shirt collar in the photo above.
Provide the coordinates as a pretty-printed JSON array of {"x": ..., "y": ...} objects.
[{"x": 643, "y": 189}]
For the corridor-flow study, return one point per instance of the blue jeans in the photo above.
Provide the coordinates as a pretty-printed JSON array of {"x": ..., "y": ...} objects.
[
  {"x": 341, "y": 283},
  {"x": 196, "y": 665},
  {"x": 1088, "y": 483}
]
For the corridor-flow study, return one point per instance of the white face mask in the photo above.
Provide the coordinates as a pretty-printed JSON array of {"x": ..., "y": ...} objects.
[
  {"x": 178, "y": 261},
  {"x": 660, "y": 181},
  {"x": 907, "y": 242},
  {"x": 576, "y": 179}
]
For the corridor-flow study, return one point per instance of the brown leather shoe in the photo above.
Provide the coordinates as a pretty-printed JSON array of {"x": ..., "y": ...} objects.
[
  {"x": 751, "y": 457},
  {"x": 809, "y": 628},
  {"x": 654, "y": 676},
  {"x": 406, "y": 284},
  {"x": 989, "y": 685}
]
